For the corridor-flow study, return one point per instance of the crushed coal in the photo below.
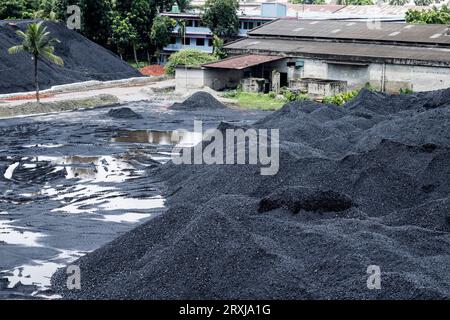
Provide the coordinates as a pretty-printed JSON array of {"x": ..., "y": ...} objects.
[
  {"x": 123, "y": 113},
  {"x": 360, "y": 185},
  {"x": 199, "y": 101},
  {"x": 83, "y": 60},
  {"x": 300, "y": 198}
]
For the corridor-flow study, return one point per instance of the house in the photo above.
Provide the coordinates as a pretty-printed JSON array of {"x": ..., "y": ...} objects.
[
  {"x": 198, "y": 36},
  {"x": 327, "y": 56}
]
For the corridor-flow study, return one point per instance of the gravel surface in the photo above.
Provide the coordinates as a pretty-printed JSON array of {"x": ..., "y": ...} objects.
[
  {"x": 83, "y": 60},
  {"x": 366, "y": 184}
]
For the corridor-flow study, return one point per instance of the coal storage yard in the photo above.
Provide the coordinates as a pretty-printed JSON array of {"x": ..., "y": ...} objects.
[
  {"x": 72, "y": 182},
  {"x": 362, "y": 185}
]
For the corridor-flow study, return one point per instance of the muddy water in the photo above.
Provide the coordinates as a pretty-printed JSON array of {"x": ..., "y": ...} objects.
[{"x": 71, "y": 182}]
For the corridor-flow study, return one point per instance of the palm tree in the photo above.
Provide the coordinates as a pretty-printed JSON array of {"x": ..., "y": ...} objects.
[{"x": 36, "y": 41}]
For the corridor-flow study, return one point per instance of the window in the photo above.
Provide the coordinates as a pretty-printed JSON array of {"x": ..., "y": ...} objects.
[
  {"x": 250, "y": 25},
  {"x": 245, "y": 25},
  {"x": 189, "y": 23},
  {"x": 187, "y": 41},
  {"x": 173, "y": 40},
  {"x": 200, "y": 42},
  {"x": 210, "y": 42}
]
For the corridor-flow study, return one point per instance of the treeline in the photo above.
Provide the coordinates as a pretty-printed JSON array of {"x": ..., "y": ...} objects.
[{"x": 128, "y": 25}]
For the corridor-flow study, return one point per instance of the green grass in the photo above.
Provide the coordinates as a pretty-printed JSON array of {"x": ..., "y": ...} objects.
[{"x": 258, "y": 101}]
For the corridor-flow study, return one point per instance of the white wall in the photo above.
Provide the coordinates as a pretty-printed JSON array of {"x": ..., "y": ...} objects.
[
  {"x": 214, "y": 78},
  {"x": 188, "y": 79},
  {"x": 417, "y": 78}
]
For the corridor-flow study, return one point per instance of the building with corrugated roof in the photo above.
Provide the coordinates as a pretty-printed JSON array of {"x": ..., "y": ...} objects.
[{"x": 338, "y": 55}]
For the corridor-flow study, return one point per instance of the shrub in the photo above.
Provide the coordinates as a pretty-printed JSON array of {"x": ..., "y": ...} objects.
[
  {"x": 188, "y": 57},
  {"x": 272, "y": 95},
  {"x": 231, "y": 94},
  {"x": 405, "y": 91},
  {"x": 293, "y": 96},
  {"x": 340, "y": 98}
]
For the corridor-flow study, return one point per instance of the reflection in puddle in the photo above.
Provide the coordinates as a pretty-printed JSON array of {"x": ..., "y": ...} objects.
[
  {"x": 48, "y": 146},
  {"x": 111, "y": 201},
  {"x": 185, "y": 138},
  {"x": 10, "y": 170},
  {"x": 130, "y": 217},
  {"x": 98, "y": 168},
  {"x": 123, "y": 203},
  {"x": 39, "y": 273},
  {"x": 18, "y": 235}
]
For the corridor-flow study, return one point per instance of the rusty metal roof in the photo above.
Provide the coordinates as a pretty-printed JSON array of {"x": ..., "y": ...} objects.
[
  {"x": 242, "y": 62},
  {"x": 340, "y": 51},
  {"x": 430, "y": 34}
]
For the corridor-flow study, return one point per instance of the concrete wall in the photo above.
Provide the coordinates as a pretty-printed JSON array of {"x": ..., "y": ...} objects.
[
  {"x": 196, "y": 78},
  {"x": 394, "y": 77},
  {"x": 417, "y": 78},
  {"x": 188, "y": 79}
]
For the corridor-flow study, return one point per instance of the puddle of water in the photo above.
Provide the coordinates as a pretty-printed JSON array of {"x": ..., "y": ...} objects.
[
  {"x": 111, "y": 201},
  {"x": 185, "y": 139},
  {"x": 48, "y": 146},
  {"x": 19, "y": 235},
  {"x": 10, "y": 170},
  {"x": 39, "y": 272},
  {"x": 130, "y": 217},
  {"x": 124, "y": 203},
  {"x": 95, "y": 168}
]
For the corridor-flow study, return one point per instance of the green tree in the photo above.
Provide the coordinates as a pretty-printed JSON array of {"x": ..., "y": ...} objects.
[
  {"x": 398, "y": 2},
  {"x": 355, "y": 2},
  {"x": 423, "y": 2},
  {"x": 183, "y": 5},
  {"x": 36, "y": 41},
  {"x": 218, "y": 48},
  {"x": 124, "y": 35},
  {"x": 432, "y": 16},
  {"x": 308, "y": 1},
  {"x": 141, "y": 14},
  {"x": 95, "y": 17},
  {"x": 16, "y": 9},
  {"x": 161, "y": 32},
  {"x": 221, "y": 17}
]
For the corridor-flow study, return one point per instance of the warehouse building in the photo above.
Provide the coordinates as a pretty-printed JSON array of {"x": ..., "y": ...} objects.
[{"x": 324, "y": 57}]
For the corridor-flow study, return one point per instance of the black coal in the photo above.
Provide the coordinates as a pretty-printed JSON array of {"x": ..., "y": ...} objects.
[
  {"x": 366, "y": 184},
  {"x": 84, "y": 60}
]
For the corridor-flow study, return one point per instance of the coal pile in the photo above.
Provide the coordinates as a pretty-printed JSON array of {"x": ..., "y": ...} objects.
[
  {"x": 199, "y": 101},
  {"x": 366, "y": 184},
  {"x": 123, "y": 113},
  {"x": 83, "y": 60}
]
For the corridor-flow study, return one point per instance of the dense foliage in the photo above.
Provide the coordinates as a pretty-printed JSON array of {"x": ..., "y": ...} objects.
[
  {"x": 221, "y": 17},
  {"x": 355, "y": 2},
  {"x": 435, "y": 15},
  {"x": 189, "y": 58}
]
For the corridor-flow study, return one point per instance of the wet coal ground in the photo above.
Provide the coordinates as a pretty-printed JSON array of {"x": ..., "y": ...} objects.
[{"x": 71, "y": 182}]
